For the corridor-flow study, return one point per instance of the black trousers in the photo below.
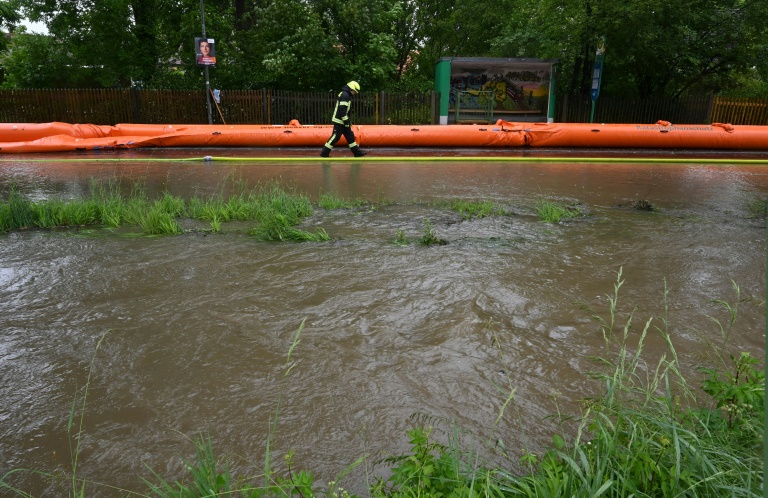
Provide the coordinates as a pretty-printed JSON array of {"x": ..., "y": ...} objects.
[{"x": 341, "y": 131}]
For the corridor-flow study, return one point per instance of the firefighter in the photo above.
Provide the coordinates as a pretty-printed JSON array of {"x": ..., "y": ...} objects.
[{"x": 341, "y": 123}]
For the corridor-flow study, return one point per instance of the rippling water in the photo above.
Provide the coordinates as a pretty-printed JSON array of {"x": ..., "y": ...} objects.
[{"x": 198, "y": 327}]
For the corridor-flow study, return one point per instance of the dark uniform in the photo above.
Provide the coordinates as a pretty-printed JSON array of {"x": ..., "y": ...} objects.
[{"x": 341, "y": 124}]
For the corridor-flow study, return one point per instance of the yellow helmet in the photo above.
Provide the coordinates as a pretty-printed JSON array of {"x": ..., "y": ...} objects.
[{"x": 354, "y": 85}]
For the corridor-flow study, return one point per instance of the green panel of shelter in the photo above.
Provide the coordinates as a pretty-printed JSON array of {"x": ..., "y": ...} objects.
[{"x": 443, "y": 87}]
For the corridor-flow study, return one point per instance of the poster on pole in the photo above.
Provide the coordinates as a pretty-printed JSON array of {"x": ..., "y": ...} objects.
[{"x": 205, "y": 51}]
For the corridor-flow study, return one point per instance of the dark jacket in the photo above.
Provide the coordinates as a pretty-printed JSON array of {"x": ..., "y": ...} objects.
[{"x": 343, "y": 103}]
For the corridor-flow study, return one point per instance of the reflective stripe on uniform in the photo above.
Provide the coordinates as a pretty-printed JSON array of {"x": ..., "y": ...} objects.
[{"x": 341, "y": 116}]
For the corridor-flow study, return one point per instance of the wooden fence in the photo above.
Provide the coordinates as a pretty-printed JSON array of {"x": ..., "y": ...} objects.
[
  {"x": 112, "y": 106},
  {"x": 690, "y": 110},
  {"x": 704, "y": 109},
  {"x": 740, "y": 111}
]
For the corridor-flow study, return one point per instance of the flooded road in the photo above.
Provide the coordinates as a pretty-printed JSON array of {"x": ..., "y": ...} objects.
[{"x": 196, "y": 327}]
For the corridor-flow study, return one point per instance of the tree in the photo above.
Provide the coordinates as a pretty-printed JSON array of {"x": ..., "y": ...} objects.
[
  {"x": 34, "y": 61},
  {"x": 9, "y": 18},
  {"x": 654, "y": 47}
]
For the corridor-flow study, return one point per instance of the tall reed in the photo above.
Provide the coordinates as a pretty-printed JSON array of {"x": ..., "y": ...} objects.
[{"x": 646, "y": 434}]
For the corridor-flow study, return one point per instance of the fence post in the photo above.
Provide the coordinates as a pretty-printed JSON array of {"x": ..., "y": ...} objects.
[
  {"x": 135, "y": 104},
  {"x": 382, "y": 109},
  {"x": 264, "y": 109},
  {"x": 564, "y": 110},
  {"x": 710, "y": 107},
  {"x": 433, "y": 107}
]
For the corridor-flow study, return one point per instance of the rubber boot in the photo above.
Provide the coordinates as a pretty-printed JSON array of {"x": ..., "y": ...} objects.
[
  {"x": 326, "y": 152},
  {"x": 358, "y": 152}
]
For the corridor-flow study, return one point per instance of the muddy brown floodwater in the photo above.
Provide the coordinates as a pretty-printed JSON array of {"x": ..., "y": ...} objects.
[{"x": 198, "y": 327}]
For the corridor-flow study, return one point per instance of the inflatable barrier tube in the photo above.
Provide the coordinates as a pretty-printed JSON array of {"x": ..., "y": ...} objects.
[{"x": 63, "y": 137}]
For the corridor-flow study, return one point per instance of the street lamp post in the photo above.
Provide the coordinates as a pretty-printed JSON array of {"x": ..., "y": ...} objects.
[{"x": 207, "y": 79}]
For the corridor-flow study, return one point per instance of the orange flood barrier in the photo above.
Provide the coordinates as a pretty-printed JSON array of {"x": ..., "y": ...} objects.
[{"x": 63, "y": 137}]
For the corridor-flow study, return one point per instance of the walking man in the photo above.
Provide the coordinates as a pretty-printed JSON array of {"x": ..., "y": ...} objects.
[{"x": 341, "y": 124}]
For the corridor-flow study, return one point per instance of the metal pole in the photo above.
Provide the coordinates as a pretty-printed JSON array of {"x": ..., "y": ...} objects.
[{"x": 207, "y": 79}]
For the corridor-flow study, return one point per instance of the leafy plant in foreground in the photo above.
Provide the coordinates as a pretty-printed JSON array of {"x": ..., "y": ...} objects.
[
  {"x": 638, "y": 438},
  {"x": 740, "y": 393}
]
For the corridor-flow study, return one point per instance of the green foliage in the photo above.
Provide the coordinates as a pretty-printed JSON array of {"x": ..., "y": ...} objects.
[
  {"x": 156, "y": 221},
  {"x": 400, "y": 238},
  {"x": 277, "y": 227},
  {"x": 469, "y": 210},
  {"x": 9, "y": 16},
  {"x": 554, "y": 213},
  {"x": 36, "y": 61},
  {"x": 18, "y": 213},
  {"x": 208, "y": 478},
  {"x": 739, "y": 393},
  {"x": 276, "y": 208},
  {"x": 654, "y": 48},
  {"x": 429, "y": 236},
  {"x": 330, "y": 201},
  {"x": 429, "y": 470},
  {"x": 639, "y": 439}
]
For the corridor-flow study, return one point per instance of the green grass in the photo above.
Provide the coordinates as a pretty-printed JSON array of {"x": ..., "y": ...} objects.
[
  {"x": 400, "y": 238},
  {"x": 277, "y": 226},
  {"x": 156, "y": 221},
  {"x": 477, "y": 209},
  {"x": 553, "y": 213},
  {"x": 19, "y": 213},
  {"x": 647, "y": 434},
  {"x": 429, "y": 236},
  {"x": 275, "y": 208},
  {"x": 331, "y": 202}
]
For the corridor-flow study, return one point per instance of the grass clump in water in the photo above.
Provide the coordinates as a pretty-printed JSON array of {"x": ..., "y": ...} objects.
[
  {"x": 157, "y": 221},
  {"x": 331, "y": 202},
  {"x": 429, "y": 236},
  {"x": 18, "y": 213},
  {"x": 278, "y": 227},
  {"x": 553, "y": 213},
  {"x": 400, "y": 238},
  {"x": 472, "y": 210},
  {"x": 279, "y": 211},
  {"x": 276, "y": 208}
]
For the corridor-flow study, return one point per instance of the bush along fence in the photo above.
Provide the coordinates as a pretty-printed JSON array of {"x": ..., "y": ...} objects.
[{"x": 276, "y": 107}]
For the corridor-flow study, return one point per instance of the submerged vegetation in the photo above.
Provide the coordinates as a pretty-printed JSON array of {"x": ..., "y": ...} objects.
[
  {"x": 275, "y": 209},
  {"x": 469, "y": 210},
  {"x": 647, "y": 432},
  {"x": 552, "y": 212}
]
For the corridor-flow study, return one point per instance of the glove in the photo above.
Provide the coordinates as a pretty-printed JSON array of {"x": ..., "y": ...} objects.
[{"x": 347, "y": 124}]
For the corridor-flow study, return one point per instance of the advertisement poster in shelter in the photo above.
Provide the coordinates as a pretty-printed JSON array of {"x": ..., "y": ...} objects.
[{"x": 514, "y": 87}]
